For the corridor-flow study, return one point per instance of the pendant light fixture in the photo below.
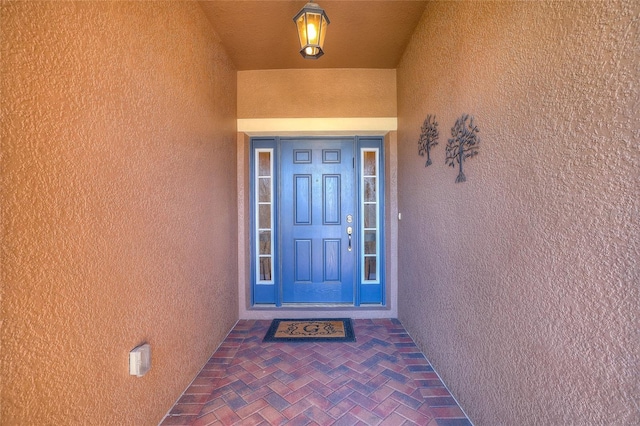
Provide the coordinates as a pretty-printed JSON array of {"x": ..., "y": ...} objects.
[{"x": 312, "y": 24}]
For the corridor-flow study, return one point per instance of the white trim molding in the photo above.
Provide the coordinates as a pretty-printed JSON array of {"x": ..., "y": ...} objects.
[{"x": 317, "y": 126}]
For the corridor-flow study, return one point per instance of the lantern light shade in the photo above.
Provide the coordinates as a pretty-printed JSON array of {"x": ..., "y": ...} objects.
[{"x": 312, "y": 24}]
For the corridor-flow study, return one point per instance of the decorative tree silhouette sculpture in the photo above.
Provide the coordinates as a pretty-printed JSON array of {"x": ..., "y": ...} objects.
[
  {"x": 428, "y": 137},
  {"x": 464, "y": 144}
]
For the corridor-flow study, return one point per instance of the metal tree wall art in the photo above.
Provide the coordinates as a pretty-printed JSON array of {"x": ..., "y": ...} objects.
[
  {"x": 428, "y": 137},
  {"x": 464, "y": 144}
]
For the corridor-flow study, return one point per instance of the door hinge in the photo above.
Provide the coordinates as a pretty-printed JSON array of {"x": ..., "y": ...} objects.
[{"x": 353, "y": 162}]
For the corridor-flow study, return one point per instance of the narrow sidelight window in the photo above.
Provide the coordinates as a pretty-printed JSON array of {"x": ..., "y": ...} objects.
[
  {"x": 264, "y": 214},
  {"x": 369, "y": 204}
]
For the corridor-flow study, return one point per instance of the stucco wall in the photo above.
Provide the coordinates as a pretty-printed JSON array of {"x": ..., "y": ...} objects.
[
  {"x": 319, "y": 93},
  {"x": 118, "y": 207},
  {"x": 522, "y": 283}
]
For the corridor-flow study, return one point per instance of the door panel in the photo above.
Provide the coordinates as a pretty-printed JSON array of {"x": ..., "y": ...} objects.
[
  {"x": 317, "y": 194},
  {"x": 302, "y": 197}
]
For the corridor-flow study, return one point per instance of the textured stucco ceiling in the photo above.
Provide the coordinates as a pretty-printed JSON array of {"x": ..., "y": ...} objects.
[{"x": 261, "y": 35}]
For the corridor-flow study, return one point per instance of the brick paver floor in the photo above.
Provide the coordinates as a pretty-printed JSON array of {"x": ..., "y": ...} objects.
[{"x": 381, "y": 379}]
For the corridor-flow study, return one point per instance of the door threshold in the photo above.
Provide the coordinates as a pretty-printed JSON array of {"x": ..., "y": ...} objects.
[
  {"x": 270, "y": 312},
  {"x": 317, "y": 305}
]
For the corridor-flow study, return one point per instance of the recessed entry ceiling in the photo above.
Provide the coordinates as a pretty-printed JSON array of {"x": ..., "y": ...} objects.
[{"x": 261, "y": 35}]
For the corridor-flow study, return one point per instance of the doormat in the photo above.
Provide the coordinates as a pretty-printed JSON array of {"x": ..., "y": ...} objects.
[{"x": 311, "y": 330}]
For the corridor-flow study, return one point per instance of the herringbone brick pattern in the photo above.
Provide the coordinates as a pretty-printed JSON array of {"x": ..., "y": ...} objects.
[{"x": 381, "y": 379}]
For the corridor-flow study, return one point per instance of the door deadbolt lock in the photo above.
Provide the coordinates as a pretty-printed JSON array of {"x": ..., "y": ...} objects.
[{"x": 349, "y": 218}]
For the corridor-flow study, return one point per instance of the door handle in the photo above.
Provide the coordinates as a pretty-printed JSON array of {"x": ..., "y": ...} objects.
[{"x": 349, "y": 232}]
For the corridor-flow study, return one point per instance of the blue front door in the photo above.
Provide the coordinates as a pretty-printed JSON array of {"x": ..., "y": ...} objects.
[{"x": 317, "y": 226}]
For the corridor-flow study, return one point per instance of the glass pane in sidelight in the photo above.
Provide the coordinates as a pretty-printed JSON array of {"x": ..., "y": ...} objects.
[
  {"x": 264, "y": 190},
  {"x": 370, "y": 268},
  {"x": 265, "y": 269},
  {"x": 265, "y": 242},
  {"x": 369, "y": 215},
  {"x": 264, "y": 164},
  {"x": 264, "y": 222},
  {"x": 369, "y": 189},
  {"x": 369, "y": 163},
  {"x": 369, "y": 242}
]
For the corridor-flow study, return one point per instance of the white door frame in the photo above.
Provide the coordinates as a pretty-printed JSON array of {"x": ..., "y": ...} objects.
[{"x": 245, "y": 310}]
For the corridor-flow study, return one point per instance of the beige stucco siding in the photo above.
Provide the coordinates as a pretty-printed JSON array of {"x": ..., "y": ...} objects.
[
  {"x": 317, "y": 93},
  {"x": 118, "y": 207},
  {"x": 521, "y": 284}
]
